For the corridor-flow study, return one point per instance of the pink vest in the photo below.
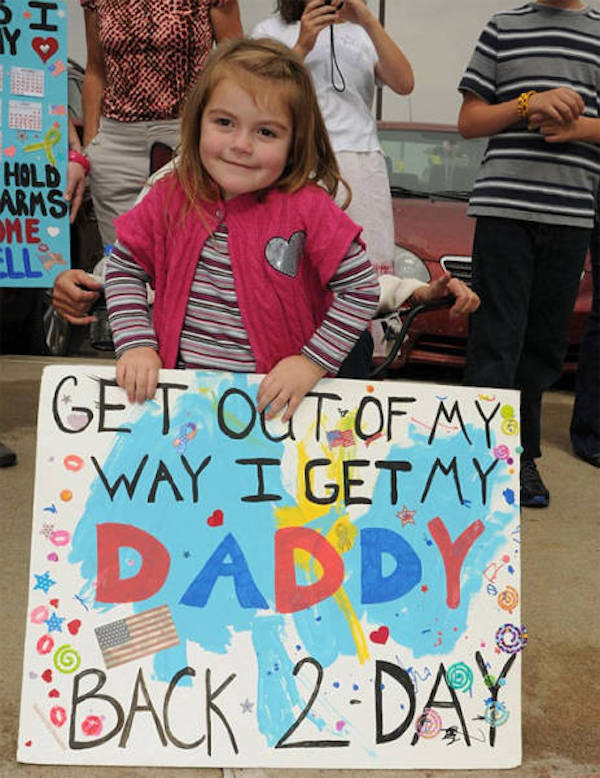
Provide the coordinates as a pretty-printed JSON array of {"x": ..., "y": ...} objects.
[{"x": 284, "y": 251}]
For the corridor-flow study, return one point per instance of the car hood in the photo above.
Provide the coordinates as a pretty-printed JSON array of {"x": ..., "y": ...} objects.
[{"x": 433, "y": 229}]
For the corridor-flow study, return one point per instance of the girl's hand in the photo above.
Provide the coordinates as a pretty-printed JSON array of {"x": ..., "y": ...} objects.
[
  {"x": 286, "y": 384},
  {"x": 466, "y": 299},
  {"x": 137, "y": 373},
  {"x": 316, "y": 17}
]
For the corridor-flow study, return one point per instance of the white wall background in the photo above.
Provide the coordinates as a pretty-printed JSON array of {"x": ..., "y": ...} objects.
[{"x": 436, "y": 35}]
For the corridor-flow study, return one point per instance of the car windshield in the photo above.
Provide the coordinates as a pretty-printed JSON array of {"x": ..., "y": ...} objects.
[{"x": 431, "y": 162}]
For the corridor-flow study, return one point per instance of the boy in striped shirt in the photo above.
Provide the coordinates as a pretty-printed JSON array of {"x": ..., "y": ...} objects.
[{"x": 532, "y": 86}]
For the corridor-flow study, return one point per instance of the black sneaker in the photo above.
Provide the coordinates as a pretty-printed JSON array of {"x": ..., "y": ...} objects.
[
  {"x": 7, "y": 457},
  {"x": 533, "y": 492}
]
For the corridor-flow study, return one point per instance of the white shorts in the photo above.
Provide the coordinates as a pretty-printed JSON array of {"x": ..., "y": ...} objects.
[{"x": 371, "y": 206}]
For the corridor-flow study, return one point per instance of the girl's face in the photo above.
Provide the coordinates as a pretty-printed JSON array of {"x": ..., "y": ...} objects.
[{"x": 244, "y": 143}]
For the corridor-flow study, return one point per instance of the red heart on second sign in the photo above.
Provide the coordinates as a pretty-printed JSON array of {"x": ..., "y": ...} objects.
[
  {"x": 215, "y": 519},
  {"x": 47, "y": 675},
  {"x": 73, "y": 626},
  {"x": 53, "y": 693},
  {"x": 54, "y": 603},
  {"x": 380, "y": 635},
  {"x": 44, "y": 47}
]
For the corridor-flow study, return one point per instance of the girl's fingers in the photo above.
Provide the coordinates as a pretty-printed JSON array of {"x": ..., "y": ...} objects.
[
  {"x": 292, "y": 405},
  {"x": 276, "y": 405}
]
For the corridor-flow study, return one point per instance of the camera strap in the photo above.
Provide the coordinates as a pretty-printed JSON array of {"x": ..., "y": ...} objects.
[{"x": 334, "y": 65}]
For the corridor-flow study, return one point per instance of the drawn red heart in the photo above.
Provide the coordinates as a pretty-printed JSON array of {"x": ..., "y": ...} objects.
[
  {"x": 47, "y": 675},
  {"x": 45, "y": 47},
  {"x": 28, "y": 743},
  {"x": 73, "y": 626},
  {"x": 10, "y": 151},
  {"x": 215, "y": 519},
  {"x": 380, "y": 635},
  {"x": 54, "y": 603},
  {"x": 53, "y": 693}
]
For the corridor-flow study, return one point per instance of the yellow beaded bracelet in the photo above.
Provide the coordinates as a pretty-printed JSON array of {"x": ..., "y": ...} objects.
[{"x": 523, "y": 103}]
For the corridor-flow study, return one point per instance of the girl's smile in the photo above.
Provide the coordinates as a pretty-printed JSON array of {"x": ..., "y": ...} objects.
[{"x": 244, "y": 141}]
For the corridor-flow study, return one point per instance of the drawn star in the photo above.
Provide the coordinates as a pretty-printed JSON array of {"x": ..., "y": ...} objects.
[
  {"x": 65, "y": 399},
  {"x": 44, "y": 582},
  {"x": 186, "y": 554},
  {"x": 47, "y": 529},
  {"x": 247, "y": 706},
  {"x": 54, "y": 623},
  {"x": 406, "y": 516}
]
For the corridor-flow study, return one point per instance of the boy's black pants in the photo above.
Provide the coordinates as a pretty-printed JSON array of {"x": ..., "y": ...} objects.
[
  {"x": 527, "y": 275},
  {"x": 585, "y": 422}
]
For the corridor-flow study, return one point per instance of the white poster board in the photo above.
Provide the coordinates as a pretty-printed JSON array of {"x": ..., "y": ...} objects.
[{"x": 210, "y": 589}]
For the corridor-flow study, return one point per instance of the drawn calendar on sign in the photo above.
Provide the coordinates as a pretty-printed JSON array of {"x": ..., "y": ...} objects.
[
  {"x": 24, "y": 115},
  {"x": 27, "y": 81}
]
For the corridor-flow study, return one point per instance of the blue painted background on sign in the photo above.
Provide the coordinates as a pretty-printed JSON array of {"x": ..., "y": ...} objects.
[
  {"x": 34, "y": 217},
  {"x": 419, "y": 618}
]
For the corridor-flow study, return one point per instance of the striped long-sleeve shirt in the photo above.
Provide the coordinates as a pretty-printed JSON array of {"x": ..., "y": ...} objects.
[
  {"x": 537, "y": 47},
  {"x": 213, "y": 334}
]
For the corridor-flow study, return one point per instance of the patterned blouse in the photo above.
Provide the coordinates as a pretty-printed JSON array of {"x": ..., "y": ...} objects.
[{"x": 153, "y": 51}]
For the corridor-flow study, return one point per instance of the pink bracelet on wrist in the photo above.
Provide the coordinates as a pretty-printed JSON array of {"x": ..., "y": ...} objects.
[{"x": 81, "y": 159}]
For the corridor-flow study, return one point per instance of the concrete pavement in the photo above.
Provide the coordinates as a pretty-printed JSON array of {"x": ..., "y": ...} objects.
[{"x": 560, "y": 605}]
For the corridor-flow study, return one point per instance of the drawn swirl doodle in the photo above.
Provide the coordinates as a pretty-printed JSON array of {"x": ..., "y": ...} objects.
[
  {"x": 508, "y": 599},
  {"x": 510, "y": 427},
  {"x": 510, "y": 639},
  {"x": 495, "y": 713},
  {"x": 501, "y": 452},
  {"x": 429, "y": 724},
  {"x": 460, "y": 676},
  {"x": 66, "y": 659}
]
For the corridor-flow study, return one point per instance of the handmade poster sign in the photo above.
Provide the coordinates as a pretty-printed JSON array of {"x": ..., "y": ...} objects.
[
  {"x": 211, "y": 588},
  {"x": 34, "y": 217}
]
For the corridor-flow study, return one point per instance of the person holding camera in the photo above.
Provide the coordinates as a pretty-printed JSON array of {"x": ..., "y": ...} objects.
[{"x": 347, "y": 52}]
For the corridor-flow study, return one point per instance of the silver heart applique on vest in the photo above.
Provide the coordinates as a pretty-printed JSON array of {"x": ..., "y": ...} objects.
[{"x": 285, "y": 255}]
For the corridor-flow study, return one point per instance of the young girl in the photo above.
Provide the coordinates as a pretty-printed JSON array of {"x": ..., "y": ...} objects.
[{"x": 255, "y": 268}]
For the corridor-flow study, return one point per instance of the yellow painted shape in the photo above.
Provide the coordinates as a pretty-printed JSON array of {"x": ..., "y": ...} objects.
[{"x": 305, "y": 512}]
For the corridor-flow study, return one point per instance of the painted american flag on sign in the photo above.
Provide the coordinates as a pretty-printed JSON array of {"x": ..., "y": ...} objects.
[{"x": 135, "y": 636}]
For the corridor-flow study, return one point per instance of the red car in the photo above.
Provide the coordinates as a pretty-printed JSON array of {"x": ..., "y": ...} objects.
[{"x": 432, "y": 170}]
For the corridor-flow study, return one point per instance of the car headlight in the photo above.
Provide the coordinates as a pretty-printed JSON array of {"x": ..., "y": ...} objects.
[{"x": 408, "y": 265}]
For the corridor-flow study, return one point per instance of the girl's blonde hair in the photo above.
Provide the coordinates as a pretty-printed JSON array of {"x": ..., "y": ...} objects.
[{"x": 260, "y": 66}]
